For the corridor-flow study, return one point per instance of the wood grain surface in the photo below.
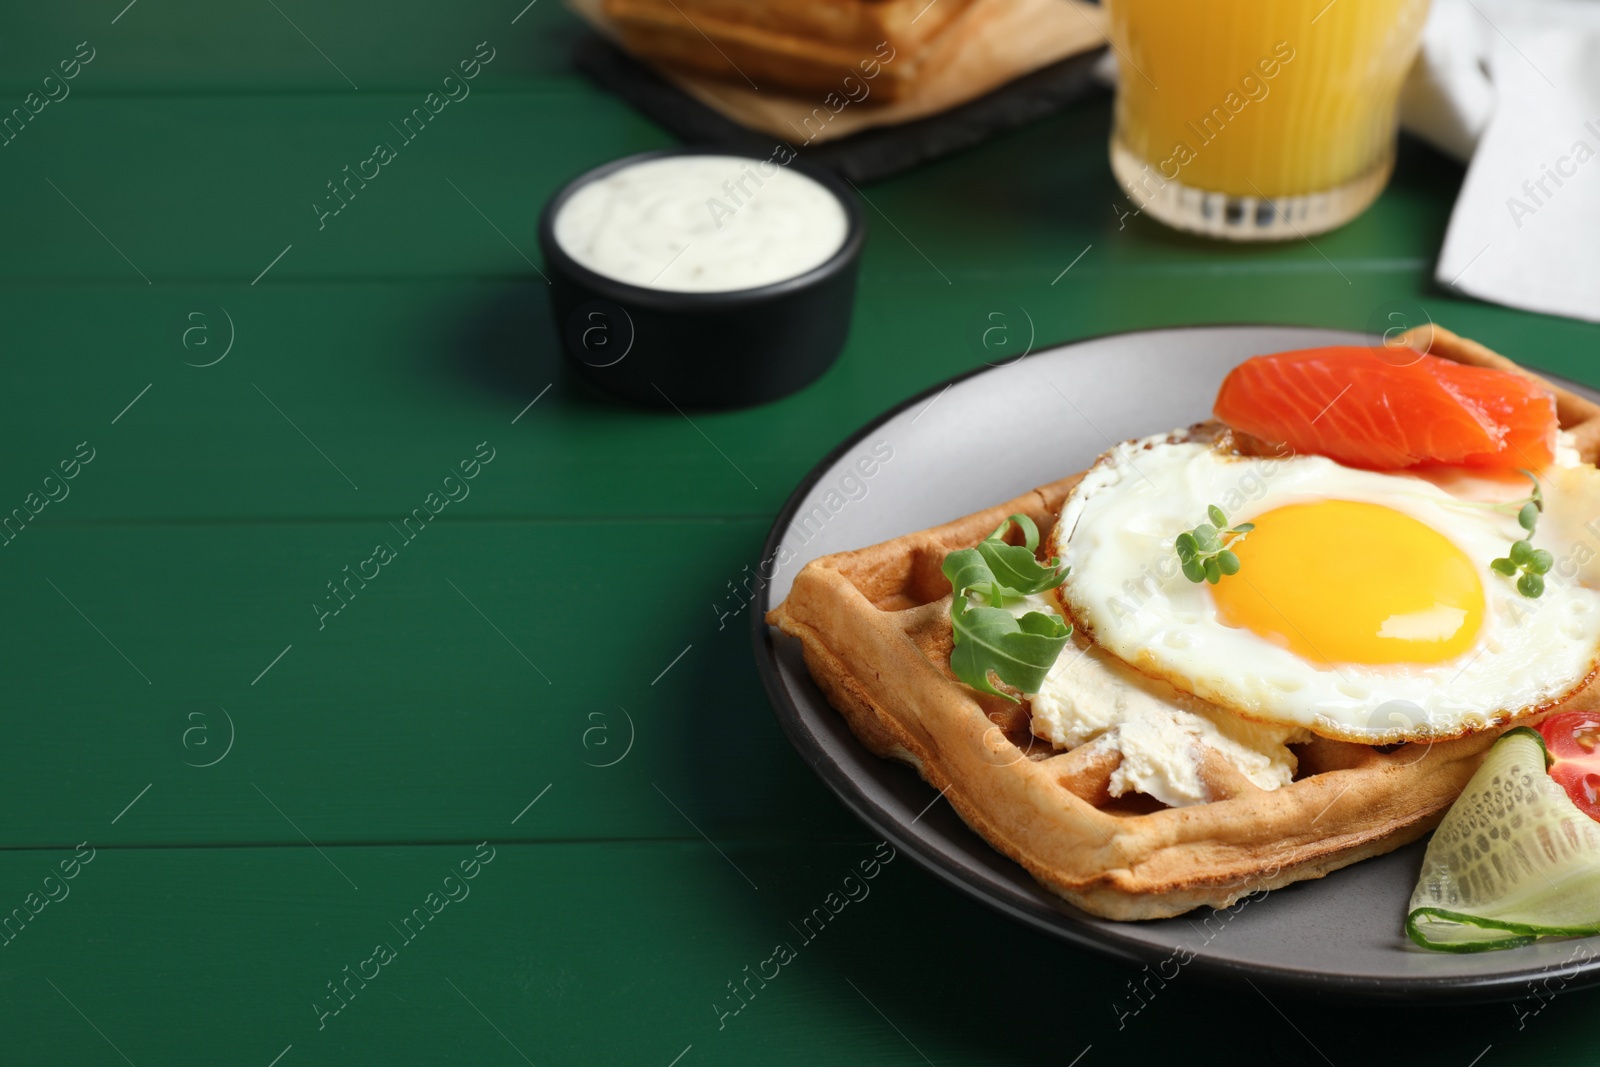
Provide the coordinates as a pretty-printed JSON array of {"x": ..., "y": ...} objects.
[{"x": 269, "y": 787}]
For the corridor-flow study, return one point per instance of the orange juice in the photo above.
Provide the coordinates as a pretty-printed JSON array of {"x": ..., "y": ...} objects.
[{"x": 1259, "y": 119}]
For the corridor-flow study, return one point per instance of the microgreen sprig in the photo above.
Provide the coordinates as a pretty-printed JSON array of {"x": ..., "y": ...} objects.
[
  {"x": 1205, "y": 552},
  {"x": 1528, "y": 564},
  {"x": 988, "y": 638}
]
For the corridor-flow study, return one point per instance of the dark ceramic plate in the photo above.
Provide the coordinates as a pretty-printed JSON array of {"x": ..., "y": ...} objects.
[{"x": 986, "y": 437}]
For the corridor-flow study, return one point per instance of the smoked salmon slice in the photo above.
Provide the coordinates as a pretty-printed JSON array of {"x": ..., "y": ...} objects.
[{"x": 1388, "y": 409}]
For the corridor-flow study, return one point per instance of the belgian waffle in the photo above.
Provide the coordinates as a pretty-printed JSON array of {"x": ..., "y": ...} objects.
[
  {"x": 875, "y": 631},
  {"x": 880, "y": 45}
]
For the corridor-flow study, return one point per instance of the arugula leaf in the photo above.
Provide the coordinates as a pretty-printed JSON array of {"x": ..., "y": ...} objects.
[
  {"x": 1020, "y": 652},
  {"x": 988, "y": 638},
  {"x": 1000, "y": 571},
  {"x": 1017, "y": 571},
  {"x": 967, "y": 569},
  {"x": 1030, "y": 532}
]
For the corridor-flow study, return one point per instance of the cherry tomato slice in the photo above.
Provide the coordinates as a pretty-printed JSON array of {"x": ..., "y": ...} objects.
[{"x": 1573, "y": 739}]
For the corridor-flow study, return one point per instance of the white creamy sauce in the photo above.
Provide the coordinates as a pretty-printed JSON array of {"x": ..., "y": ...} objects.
[
  {"x": 702, "y": 224},
  {"x": 1161, "y": 734}
]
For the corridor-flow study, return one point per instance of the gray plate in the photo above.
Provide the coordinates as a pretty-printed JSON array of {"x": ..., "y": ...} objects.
[{"x": 986, "y": 437}]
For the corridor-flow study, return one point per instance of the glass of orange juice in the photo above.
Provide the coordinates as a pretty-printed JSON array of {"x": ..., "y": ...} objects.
[{"x": 1258, "y": 119}]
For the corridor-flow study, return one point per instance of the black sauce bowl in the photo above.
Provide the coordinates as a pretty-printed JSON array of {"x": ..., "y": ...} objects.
[{"x": 702, "y": 350}]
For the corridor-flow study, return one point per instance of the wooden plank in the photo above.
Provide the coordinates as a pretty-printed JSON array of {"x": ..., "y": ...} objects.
[
  {"x": 624, "y": 953},
  {"x": 87, "y": 208},
  {"x": 391, "y": 385},
  {"x": 286, "y": 46},
  {"x": 486, "y": 662},
  {"x": 130, "y": 188}
]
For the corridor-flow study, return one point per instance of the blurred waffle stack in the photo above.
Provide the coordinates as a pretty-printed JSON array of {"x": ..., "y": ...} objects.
[
  {"x": 800, "y": 45},
  {"x": 820, "y": 71}
]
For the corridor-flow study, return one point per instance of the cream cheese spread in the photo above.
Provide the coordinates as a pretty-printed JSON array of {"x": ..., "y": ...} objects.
[
  {"x": 1161, "y": 733},
  {"x": 702, "y": 224}
]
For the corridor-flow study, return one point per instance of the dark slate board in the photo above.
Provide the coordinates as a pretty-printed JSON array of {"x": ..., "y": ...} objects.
[{"x": 861, "y": 157}]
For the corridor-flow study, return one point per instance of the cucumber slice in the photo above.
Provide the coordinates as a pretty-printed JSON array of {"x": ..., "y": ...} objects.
[{"x": 1514, "y": 860}]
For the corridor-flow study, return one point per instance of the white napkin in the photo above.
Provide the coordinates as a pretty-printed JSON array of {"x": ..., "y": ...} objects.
[
  {"x": 1448, "y": 98},
  {"x": 1516, "y": 86}
]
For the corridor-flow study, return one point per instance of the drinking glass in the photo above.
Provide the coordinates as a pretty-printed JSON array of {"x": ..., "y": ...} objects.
[{"x": 1258, "y": 120}]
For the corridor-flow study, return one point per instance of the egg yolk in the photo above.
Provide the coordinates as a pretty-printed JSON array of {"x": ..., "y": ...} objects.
[{"x": 1339, "y": 581}]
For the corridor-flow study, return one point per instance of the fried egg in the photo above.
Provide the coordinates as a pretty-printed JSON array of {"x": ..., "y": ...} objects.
[{"x": 1364, "y": 607}]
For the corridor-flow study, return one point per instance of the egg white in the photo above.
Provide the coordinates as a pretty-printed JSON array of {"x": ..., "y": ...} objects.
[{"x": 1116, "y": 533}]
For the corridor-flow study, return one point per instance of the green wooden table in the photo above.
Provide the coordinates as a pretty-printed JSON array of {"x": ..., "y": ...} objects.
[{"x": 523, "y": 753}]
